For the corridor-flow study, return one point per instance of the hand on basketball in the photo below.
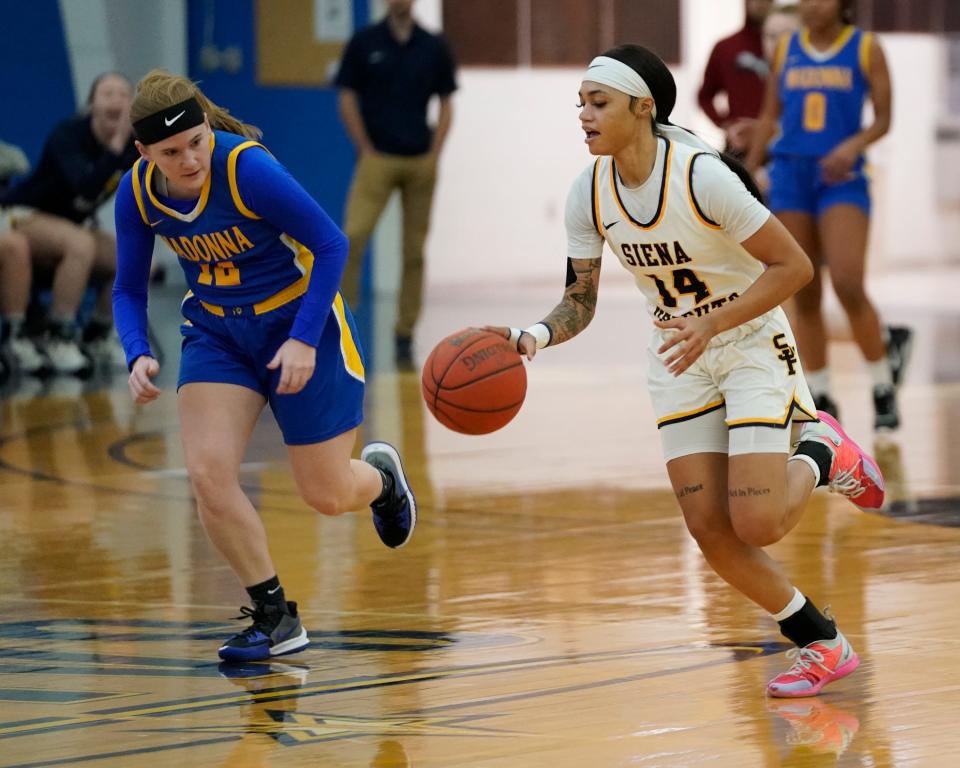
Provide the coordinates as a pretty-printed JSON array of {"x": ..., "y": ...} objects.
[
  {"x": 141, "y": 388},
  {"x": 527, "y": 345},
  {"x": 692, "y": 334},
  {"x": 296, "y": 362}
]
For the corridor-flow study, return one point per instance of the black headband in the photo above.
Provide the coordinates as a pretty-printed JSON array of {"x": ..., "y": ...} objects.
[{"x": 168, "y": 122}]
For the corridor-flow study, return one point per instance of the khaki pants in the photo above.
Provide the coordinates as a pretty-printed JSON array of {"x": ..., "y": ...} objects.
[{"x": 376, "y": 176}]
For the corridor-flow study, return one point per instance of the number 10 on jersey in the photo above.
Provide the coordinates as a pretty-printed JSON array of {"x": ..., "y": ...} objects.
[{"x": 224, "y": 273}]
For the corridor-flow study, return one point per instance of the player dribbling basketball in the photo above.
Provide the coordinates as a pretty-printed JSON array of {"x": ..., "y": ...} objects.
[{"x": 723, "y": 373}]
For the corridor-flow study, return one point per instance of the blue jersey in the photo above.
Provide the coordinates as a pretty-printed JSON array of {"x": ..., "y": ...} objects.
[
  {"x": 822, "y": 93},
  {"x": 230, "y": 256},
  {"x": 253, "y": 241}
]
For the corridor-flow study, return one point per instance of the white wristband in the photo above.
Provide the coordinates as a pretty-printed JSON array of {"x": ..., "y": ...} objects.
[
  {"x": 541, "y": 333},
  {"x": 515, "y": 337}
]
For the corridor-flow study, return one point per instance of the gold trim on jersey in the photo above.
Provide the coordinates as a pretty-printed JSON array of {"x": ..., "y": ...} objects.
[
  {"x": 302, "y": 259},
  {"x": 781, "y": 52},
  {"x": 137, "y": 194},
  {"x": 701, "y": 216},
  {"x": 820, "y": 56},
  {"x": 213, "y": 309},
  {"x": 232, "y": 176},
  {"x": 673, "y": 418},
  {"x": 204, "y": 192},
  {"x": 792, "y": 404},
  {"x": 866, "y": 45},
  {"x": 664, "y": 185},
  {"x": 352, "y": 360}
]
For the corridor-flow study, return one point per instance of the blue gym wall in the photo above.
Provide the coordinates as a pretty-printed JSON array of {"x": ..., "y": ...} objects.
[
  {"x": 300, "y": 125},
  {"x": 37, "y": 87}
]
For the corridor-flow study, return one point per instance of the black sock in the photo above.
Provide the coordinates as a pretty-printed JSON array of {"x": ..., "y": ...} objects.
[
  {"x": 387, "y": 486},
  {"x": 96, "y": 329},
  {"x": 807, "y": 626},
  {"x": 267, "y": 592},
  {"x": 820, "y": 454},
  {"x": 63, "y": 330}
]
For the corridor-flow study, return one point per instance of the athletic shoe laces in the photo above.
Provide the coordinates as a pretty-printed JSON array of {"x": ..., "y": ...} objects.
[
  {"x": 803, "y": 660},
  {"x": 848, "y": 484},
  {"x": 261, "y": 623}
]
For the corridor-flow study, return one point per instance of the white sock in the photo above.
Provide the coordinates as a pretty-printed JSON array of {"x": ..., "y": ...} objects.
[
  {"x": 819, "y": 381},
  {"x": 796, "y": 603},
  {"x": 808, "y": 460},
  {"x": 880, "y": 373}
]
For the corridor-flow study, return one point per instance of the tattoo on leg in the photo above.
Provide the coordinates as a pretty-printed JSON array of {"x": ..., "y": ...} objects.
[
  {"x": 749, "y": 491},
  {"x": 688, "y": 489}
]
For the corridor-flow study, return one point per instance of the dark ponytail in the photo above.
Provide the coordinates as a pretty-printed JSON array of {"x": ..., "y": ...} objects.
[
  {"x": 744, "y": 175},
  {"x": 663, "y": 88}
]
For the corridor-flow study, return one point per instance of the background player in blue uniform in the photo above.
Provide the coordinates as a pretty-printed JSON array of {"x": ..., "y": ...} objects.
[
  {"x": 265, "y": 323},
  {"x": 822, "y": 76}
]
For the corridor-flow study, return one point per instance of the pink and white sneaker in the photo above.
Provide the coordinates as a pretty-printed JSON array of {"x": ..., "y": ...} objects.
[
  {"x": 814, "y": 666},
  {"x": 853, "y": 473}
]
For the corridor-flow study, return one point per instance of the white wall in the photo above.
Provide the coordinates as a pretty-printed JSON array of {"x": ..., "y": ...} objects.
[
  {"x": 516, "y": 146},
  {"x": 130, "y": 36},
  {"x": 127, "y": 36}
]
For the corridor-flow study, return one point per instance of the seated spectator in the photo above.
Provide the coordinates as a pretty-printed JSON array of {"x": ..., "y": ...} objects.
[
  {"x": 17, "y": 351},
  {"x": 54, "y": 208}
]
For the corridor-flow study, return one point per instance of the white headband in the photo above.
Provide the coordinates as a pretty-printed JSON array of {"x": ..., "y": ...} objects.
[
  {"x": 624, "y": 78},
  {"x": 616, "y": 74}
]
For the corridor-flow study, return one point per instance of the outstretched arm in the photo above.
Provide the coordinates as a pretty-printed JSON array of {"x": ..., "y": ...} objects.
[{"x": 569, "y": 317}]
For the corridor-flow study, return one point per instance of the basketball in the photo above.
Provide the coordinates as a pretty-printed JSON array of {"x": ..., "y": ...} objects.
[{"x": 474, "y": 382}]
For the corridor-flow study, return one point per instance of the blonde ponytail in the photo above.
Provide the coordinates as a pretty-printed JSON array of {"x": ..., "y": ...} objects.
[{"x": 159, "y": 89}]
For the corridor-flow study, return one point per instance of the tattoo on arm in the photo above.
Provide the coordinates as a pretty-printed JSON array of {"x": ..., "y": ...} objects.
[
  {"x": 749, "y": 491},
  {"x": 688, "y": 489},
  {"x": 575, "y": 312}
]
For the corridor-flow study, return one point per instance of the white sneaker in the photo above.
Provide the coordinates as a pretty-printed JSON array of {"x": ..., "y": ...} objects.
[
  {"x": 65, "y": 356},
  {"x": 25, "y": 354}
]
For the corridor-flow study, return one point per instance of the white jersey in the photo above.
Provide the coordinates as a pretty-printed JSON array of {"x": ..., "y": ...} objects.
[{"x": 679, "y": 234}]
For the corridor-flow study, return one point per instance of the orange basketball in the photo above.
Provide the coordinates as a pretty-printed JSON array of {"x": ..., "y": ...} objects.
[{"x": 474, "y": 381}]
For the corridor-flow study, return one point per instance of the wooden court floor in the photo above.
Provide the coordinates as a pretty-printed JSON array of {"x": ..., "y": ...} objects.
[{"x": 550, "y": 611}]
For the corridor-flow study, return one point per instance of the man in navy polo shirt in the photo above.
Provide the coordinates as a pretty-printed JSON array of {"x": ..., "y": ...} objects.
[{"x": 388, "y": 75}]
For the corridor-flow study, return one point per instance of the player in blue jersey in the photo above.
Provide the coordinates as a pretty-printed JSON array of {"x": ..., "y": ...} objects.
[
  {"x": 264, "y": 324},
  {"x": 822, "y": 76}
]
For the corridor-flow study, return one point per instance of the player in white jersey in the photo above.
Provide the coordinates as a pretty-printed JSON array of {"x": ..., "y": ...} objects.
[{"x": 726, "y": 384}]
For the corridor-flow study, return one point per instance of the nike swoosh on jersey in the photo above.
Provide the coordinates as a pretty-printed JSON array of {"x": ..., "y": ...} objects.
[
  {"x": 612, "y": 223},
  {"x": 172, "y": 120},
  {"x": 154, "y": 223}
]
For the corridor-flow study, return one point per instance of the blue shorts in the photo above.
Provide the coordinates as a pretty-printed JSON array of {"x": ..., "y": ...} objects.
[
  {"x": 236, "y": 349},
  {"x": 796, "y": 184}
]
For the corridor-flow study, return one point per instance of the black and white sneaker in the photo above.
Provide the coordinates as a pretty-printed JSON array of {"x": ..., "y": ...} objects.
[
  {"x": 276, "y": 630},
  {"x": 395, "y": 512},
  {"x": 899, "y": 346},
  {"x": 886, "y": 414}
]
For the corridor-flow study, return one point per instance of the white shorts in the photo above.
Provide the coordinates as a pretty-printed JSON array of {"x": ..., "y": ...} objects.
[{"x": 740, "y": 396}]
